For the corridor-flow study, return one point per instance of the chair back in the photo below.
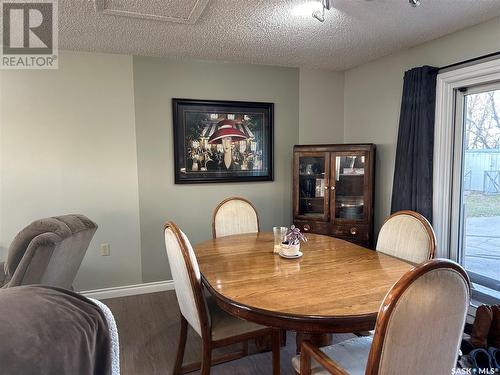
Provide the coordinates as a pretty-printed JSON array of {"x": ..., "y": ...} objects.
[
  {"x": 49, "y": 251},
  {"x": 234, "y": 216},
  {"x": 187, "y": 278},
  {"x": 407, "y": 235},
  {"x": 420, "y": 323}
]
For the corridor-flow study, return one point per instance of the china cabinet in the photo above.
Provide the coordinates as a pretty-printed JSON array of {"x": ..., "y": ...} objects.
[{"x": 333, "y": 190}]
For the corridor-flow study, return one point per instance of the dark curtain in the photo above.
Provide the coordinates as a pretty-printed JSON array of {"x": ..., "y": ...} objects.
[{"x": 412, "y": 186}]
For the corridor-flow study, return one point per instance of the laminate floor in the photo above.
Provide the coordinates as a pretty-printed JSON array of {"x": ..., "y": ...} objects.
[{"x": 148, "y": 326}]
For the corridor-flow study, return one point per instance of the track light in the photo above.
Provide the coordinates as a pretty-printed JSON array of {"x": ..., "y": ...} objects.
[
  {"x": 320, "y": 14},
  {"x": 414, "y": 3}
]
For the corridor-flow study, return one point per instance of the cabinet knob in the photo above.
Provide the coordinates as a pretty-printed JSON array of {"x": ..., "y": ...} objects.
[
  {"x": 354, "y": 231},
  {"x": 307, "y": 228},
  {"x": 326, "y": 187},
  {"x": 332, "y": 187}
]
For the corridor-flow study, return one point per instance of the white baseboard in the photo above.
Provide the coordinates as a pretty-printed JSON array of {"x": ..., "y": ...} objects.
[{"x": 129, "y": 290}]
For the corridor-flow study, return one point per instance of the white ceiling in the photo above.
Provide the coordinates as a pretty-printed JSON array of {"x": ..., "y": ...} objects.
[
  {"x": 267, "y": 31},
  {"x": 182, "y": 11}
]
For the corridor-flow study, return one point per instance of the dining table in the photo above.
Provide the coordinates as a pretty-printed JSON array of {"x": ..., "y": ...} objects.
[{"x": 335, "y": 287}]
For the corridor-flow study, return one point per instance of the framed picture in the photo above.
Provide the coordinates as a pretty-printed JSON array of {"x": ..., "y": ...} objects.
[{"x": 222, "y": 141}]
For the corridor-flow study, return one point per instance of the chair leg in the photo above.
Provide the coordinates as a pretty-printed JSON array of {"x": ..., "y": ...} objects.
[
  {"x": 283, "y": 338},
  {"x": 305, "y": 364},
  {"x": 276, "y": 351},
  {"x": 206, "y": 360},
  {"x": 298, "y": 341},
  {"x": 181, "y": 346}
]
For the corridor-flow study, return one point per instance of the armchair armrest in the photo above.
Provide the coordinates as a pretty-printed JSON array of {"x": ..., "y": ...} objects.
[{"x": 309, "y": 351}]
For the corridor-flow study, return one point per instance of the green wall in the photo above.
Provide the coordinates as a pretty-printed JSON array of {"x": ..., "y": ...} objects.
[
  {"x": 156, "y": 82},
  {"x": 67, "y": 145}
]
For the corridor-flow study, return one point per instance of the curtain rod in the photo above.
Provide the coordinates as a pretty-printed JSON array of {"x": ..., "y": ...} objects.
[{"x": 470, "y": 60}]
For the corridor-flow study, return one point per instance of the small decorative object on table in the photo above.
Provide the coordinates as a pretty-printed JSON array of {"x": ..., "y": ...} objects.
[{"x": 290, "y": 248}]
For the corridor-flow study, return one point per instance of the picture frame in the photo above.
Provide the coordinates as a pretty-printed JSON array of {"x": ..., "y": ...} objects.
[{"x": 222, "y": 141}]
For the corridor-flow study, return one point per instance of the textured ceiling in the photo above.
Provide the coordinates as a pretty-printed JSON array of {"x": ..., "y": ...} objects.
[
  {"x": 268, "y": 31},
  {"x": 182, "y": 11}
]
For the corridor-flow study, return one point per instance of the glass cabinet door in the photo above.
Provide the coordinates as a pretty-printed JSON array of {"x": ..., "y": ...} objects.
[
  {"x": 313, "y": 192},
  {"x": 348, "y": 182}
]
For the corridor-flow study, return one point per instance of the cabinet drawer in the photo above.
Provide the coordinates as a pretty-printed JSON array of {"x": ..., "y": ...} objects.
[
  {"x": 313, "y": 227},
  {"x": 358, "y": 232}
]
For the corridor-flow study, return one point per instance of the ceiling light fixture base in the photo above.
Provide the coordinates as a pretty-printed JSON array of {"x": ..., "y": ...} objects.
[{"x": 320, "y": 14}]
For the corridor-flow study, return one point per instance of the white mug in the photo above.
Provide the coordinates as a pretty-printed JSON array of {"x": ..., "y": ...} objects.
[{"x": 290, "y": 250}]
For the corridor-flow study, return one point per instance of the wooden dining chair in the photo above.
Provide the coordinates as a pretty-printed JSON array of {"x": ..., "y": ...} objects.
[
  {"x": 216, "y": 327},
  {"x": 418, "y": 330},
  {"x": 407, "y": 235},
  {"x": 234, "y": 215}
]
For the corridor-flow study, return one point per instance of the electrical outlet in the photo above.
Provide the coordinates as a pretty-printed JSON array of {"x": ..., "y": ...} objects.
[{"x": 105, "y": 249}]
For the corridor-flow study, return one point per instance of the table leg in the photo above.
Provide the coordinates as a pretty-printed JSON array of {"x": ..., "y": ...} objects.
[
  {"x": 276, "y": 352},
  {"x": 317, "y": 339},
  {"x": 263, "y": 344}
]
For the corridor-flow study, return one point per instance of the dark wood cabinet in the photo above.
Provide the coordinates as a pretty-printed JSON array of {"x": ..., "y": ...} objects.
[{"x": 333, "y": 188}]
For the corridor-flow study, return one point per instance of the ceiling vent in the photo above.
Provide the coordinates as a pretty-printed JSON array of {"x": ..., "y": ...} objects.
[{"x": 178, "y": 11}]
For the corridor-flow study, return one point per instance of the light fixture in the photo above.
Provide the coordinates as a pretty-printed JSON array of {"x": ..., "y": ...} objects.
[
  {"x": 414, "y": 3},
  {"x": 306, "y": 8},
  {"x": 320, "y": 14}
]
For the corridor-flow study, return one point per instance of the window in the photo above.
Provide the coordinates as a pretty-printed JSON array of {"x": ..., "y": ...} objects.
[
  {"x": 475, "y": 224},
  {"x": 466, "y": 188}
]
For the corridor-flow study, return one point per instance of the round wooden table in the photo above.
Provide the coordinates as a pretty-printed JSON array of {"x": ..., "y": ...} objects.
[{"x": 335, "y": 287}]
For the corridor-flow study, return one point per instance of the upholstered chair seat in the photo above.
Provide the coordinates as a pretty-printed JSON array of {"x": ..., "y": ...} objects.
[
  {"x": 234, "y": 216},
  {"x": 225, "y": 325},
  {"x": 418, "y": 330},
  {"x": 407, "y": 235},
  {"x": 48, "y": 252}
]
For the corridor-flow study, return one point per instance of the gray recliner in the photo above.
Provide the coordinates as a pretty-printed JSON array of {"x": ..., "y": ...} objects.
[{"x": 48, "y": 252}]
